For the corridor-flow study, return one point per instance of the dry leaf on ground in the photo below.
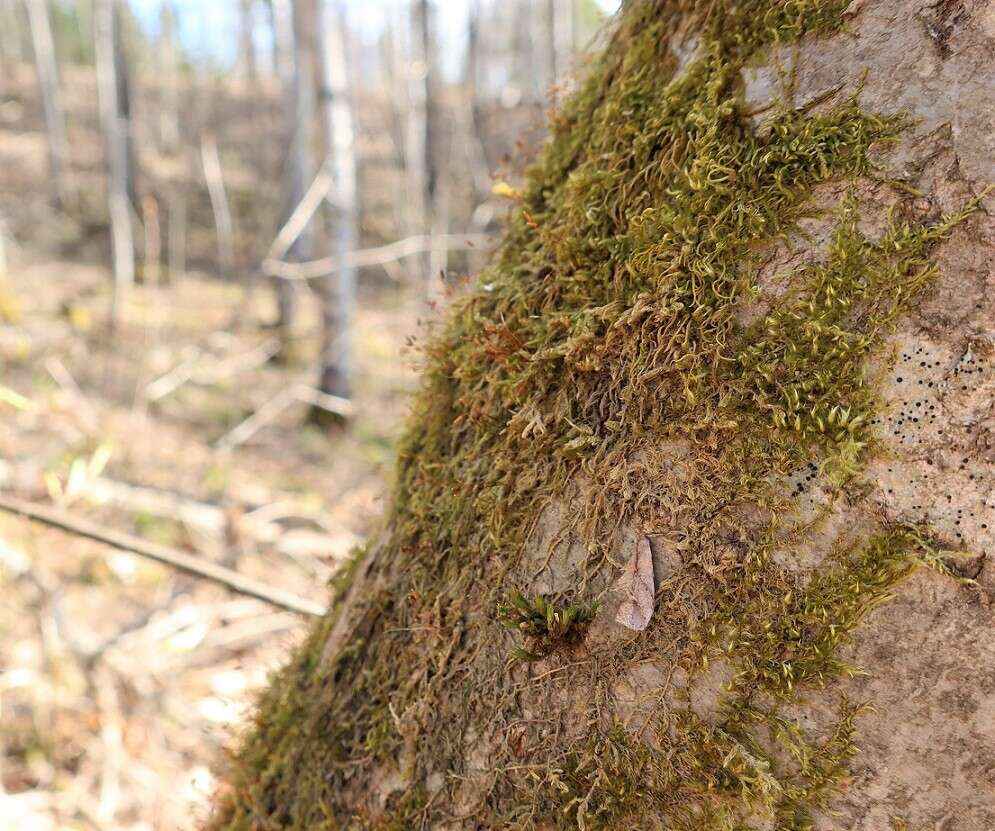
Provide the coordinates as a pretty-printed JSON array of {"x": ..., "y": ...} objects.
[{"x": 636, "y": 586}]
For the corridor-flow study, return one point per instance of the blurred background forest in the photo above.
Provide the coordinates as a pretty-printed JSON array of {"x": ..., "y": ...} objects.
[{"x": 224, "y": 226}]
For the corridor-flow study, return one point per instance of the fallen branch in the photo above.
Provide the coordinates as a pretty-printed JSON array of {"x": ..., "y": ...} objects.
[
  {"x": 407, "y": 247},
  {"x": 273, "y": 408},
  {"x": 190, "y": 369},
  {"x": 168, "y": 556}
]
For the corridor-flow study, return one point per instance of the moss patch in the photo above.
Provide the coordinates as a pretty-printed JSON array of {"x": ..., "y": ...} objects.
[{"x": 612, "y": 325}]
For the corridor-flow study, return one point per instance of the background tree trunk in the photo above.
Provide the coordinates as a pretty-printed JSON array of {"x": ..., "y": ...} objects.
[
  {"x": 116, "y": 143},
  {"x": 246, "y": 65},
  {"x": 122, "y": 79},
  {"x": 294, "y": 28},
  {"x": 51, "y": 96},
  {"x": 339, "y": 289},
  {"x": 420, "y": 156},
  {"x": 737, "y": 354},
  {"x": 169, "y": 106}
]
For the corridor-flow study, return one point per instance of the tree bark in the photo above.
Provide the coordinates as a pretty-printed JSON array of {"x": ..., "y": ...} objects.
[
  {"x": 224, "y": 227},
  {"x": 733, "y": 371},
  {"x": 122, "y": 78},
  {"x": 51, "y": 96},
  {"x": 421, "y": 150},
  {"x": 116, "y": 143},
  {"x": 338, "y": 291},
  {"x": 169, "y": 81},
  {"x": 294, "y": 32},
  {"x": 246, "y": 65}
]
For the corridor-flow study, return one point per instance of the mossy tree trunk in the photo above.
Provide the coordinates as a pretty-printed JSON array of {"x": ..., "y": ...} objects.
[{"x": 744, "y": 310}]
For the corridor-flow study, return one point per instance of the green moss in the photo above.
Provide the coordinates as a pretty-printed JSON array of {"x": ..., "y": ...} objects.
[
  {"x": 627, "y": 313},
  {"x": 544, "y": 625}
]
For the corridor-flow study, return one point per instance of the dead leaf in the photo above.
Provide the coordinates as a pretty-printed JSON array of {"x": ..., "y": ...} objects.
[{"x": 637, "y": 588}]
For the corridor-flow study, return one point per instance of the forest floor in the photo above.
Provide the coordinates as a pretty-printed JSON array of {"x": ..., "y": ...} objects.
[{"x": 121, "y": 680}]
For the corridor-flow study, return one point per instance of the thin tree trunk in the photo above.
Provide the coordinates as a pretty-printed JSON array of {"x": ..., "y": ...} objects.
[
  {"x": 422, "y": 131},
  {"x": 338, "y": 292},
  {"x": 473, "y": 119},
  {"x": 521, "y": 50},
  {"x": 546, "y": 43},
  {"x": 246, "y": 64},
  {"x": 51, "y": 96},
  {"x": 177, "y": 243},
  {"x": 114, "y": 127},
  {"x": 395, "y": 84},
  {"x": 122, "y": 78},
  {"x": 296, "y": 68},
  {"x": 169, "y": 81},
  {"x": 223, "y": 225}
]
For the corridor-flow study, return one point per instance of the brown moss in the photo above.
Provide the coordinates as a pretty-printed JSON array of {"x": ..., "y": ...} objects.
[{"x": 607, "y": 328}]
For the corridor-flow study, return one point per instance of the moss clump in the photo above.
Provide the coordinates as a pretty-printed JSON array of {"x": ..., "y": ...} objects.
[
  {"x": 544, "y": 625},
  {"x": 627, "y": 314}
]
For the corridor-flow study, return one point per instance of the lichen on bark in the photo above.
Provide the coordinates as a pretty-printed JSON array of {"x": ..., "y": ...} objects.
[{"x": 623, "y": 357}]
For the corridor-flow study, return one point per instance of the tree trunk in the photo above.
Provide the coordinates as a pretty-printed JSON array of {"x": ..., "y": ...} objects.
[
  {"x": 338, "y": 291},
  {"x": 116, "y": 147},
  {"x": 246, "y": 64},
  {"x": 122, "y": 78},
  {"x": 169, "y": 81},
  {"x": 714, "y": 431},
  {"x": 422, "y": 133},
  {"x": 51, "y": 96},
  {"x": 224, "y": 227},
  {"x": 294, "y": 31}
]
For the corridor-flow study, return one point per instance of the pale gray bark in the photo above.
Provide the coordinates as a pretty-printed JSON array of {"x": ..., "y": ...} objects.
[
  {"x": 339, "y": 290},
  {"x": 223, "y": 225},
  {"x": 116, "y": 148},
  {"x": 169, "y": 118},
  {"x": 296, "y": 70},
  {"x": 246, "y": 65},
  {"x": 122, "y": 79},
  {"x": 421, "y": 151},
  {"x": 51, "y": 95}
]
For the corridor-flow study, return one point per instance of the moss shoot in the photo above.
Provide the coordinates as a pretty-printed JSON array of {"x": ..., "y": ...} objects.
[{"x": 624, "y": 315}]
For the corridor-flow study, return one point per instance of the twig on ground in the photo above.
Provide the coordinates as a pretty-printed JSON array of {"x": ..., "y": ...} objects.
[
  {"x": 68, "y": 384},
  {"x": 245, "y": 430},
  {"x": 160, "y": 553},
  {"x": 272, "y": 409},
  {"x": 190, "y": 369}
]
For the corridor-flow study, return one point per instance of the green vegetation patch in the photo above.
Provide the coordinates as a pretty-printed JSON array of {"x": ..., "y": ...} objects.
[{"x": 627, "y": 314}]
